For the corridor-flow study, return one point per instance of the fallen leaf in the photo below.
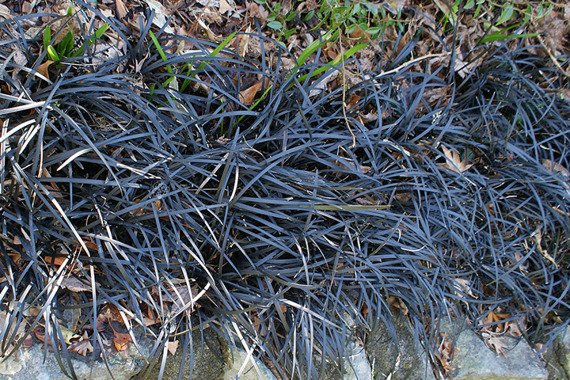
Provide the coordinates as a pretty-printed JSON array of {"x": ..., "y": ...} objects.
[
  {"x": 555, "y": 168},
  {"x": 209, "y": 3},
  {"x": 172, "y": 347},
  {"x": 43, "y": 69},
  {"x": 364, "y": 310},
  {"x": 160, "y": 15},
  {"x": 109, "y": 313},
  {"x": 28, "y": 341},
  {"x": 55, "y": 260},
  {"x": 496, "y": 343},
  {"x": 351, "y": 102},
  {"x": 358, "y": 33},
  {"x": 397, "y": 303},
  {"x": 209, "y": 33},
  {"x": 513, "y": 328},
  {"x": 445, "y": 353},
  {"x": 454, "y": 162},
  {"x": 493, "y": 320},
  {"x": 5, "y": 12},
  {"x": 254, "y": 10},
  {"x": 82, "y": 346},
  {"x": 322, "y": 83},
  {"x": 243, "y": 42},
  {"x": 184, "y": 297},
  {"x": 120, "y": 9},
  {"x": 74, "y": 284},
  {"x": 91, "y": 245},
  {"x": 121, "y": 341},
  {"x": 148, "y": 317},
  {"x": 68, "y": 335},
  {"x": 463, "y": 287},
  {"x": 247, "y": 96},
  {"x": 225, "y": 6}
]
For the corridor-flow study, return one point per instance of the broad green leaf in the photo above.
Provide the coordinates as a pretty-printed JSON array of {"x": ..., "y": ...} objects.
[
  {"x": 275, "y": 25},
  {"x": 47, "y": 37},
  {"x": 506, "y": 14}
]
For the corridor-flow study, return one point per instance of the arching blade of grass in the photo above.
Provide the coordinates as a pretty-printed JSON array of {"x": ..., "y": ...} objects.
[
  {"x": 505, "y": 37},
  {"x": 203, "y": 64}
]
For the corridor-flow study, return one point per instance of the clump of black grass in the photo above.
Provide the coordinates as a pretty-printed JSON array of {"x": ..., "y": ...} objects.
[{"x": 285, "y": 224}]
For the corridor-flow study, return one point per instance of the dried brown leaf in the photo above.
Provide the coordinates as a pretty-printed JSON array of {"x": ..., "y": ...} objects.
[
  {"x": 254, "y": 10},
  {"x": 43, "y": 68},
  {"x": 397, "y": 303},
  {"x": 247, "y": 96},
  {"x": 109, "y": 313},
  {"x": 243, "y": 42},
  {"x": 121, "y": 341},
  {"x": 55, "y": 260}
]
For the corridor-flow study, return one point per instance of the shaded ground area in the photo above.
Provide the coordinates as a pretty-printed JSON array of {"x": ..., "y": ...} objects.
[{"x": 279, "y": 195}]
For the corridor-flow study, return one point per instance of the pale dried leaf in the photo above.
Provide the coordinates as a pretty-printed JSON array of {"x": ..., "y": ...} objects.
[
  {"x": 82, "y": 346},
  {"x": 185, "y": 298},
  {"x": 243, "y": 42},
  {"x": 209, "y": 33},
  {"x": 496, "y": 342},
  {"x": 68, "y": 335},
  {"x": 75, "y": 285},
  {"x": 160, "y": 15},
  {"x": 120, "y": 9},
  {"x": 225, "y": 6},
  {"x": 555, "y": 168},
  {"x": 172, "y": 347},
  {"x": 454, "y": 162},
  {"x": 209, "y": 3},
  {"x": 256, "y": 11},
  {"x": 323, "y": 84},
  {"x": 5, "y": 12},
  {"x": 463, "y": 286}
]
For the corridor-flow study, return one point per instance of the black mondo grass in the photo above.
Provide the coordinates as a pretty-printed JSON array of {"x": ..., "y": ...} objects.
[{"x": 277, "y": 223}]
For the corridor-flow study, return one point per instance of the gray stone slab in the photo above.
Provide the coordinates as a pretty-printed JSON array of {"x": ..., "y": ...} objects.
[
  {"x": 29, "y": 363},
  {"x": 475, "y": 361},
  {"x": 400, "y": 360}
]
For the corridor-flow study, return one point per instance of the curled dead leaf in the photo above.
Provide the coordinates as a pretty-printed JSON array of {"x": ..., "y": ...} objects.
[
  {"x": 43, "y": 69},
  {"x": 247, "y": 96},
  {"x": 454, "y": 161},
  {"x": 397, "y": 303}
]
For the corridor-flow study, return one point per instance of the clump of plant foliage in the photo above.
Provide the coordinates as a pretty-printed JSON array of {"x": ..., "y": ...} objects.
[{"x": 283, "y": 223}]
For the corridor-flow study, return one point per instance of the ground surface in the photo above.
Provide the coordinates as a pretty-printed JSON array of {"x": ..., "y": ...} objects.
[{"x": 385, "y": 88}]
